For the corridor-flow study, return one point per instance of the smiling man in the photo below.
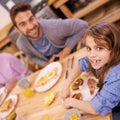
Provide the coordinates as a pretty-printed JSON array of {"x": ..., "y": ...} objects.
[{"x": 44, "y": 40}]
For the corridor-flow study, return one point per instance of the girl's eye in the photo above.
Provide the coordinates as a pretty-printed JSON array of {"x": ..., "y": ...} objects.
[
  {"x": 99, "y": 48},
  {"x": 88, "y": 48}
]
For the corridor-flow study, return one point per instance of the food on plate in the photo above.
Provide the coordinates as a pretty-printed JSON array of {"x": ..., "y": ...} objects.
[
  {"x": 77, "y": 96},
  {"x": 74, "y": 117},
  {"x": 80, "y": 88},
  {"x": 7, "y": 104},
  {"x": 84, "y": 87},
  {"x": 78, "y": 82},
  {"x": 84, "y": 75},
  {"x": 12, "y": 116},
  {"x": 52, "y": 74},
  {"x": 56, "y": 69},
  {"x": 50, "y": 98},
  {"x": 42, "y": 80},
  {"x": 91, "y": 84},
  {"x": 47, "y": 77}
]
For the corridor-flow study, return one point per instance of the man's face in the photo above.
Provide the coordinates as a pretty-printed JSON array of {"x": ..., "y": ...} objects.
[{"x": 27, "y": 24}]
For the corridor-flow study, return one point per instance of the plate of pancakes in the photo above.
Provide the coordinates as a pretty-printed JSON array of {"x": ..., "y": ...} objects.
[
  {"x": 8, "y": 106},
  {"x": 84, "y": 87}
]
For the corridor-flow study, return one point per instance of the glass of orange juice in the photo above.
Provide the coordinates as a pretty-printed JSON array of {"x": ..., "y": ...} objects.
[{"x": 28, "y": 92}]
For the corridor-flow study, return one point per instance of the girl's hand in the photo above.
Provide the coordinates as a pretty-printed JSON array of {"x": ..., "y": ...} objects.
[
  {"x": 65, "y": 92},
  {"x": 67, "y": 102}
]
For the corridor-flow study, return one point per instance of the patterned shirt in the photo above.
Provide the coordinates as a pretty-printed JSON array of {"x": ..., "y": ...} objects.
[{"x": 109, "y": 96}]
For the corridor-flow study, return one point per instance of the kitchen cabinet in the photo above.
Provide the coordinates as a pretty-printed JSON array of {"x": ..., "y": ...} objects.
[
  {"x": 6, "y": 44},
  {"x": 4, "y": 35},
  {"x": 7, "y": 3},
  {"x": 108, "y": 12},
  {"x": 93, "y": 4},
  {"x": 95, "y": 11}
]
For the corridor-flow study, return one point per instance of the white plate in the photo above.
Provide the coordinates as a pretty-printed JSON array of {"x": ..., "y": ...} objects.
[
  {"x": 3, "y": 91},
  {"x": 45, "y": 71},
  {"x": 14, "y": 99},
  {"x": 71, "y": 112},
  {"x": 86, "y": 96}
]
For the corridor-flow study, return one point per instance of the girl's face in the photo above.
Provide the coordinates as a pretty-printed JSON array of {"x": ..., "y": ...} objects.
[{"x": 98, "y": 55}]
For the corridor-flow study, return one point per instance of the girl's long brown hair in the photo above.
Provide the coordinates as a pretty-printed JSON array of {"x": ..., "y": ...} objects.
[{"x": 111, "y": 35}]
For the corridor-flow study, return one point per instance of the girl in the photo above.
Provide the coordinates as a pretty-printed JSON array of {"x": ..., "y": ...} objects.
[
  {"x": 102, "y": 42},
  {"x": 11, "y": 70}
]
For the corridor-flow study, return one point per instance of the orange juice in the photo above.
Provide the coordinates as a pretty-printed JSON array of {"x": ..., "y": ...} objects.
[{"x": 28, "y": 92}]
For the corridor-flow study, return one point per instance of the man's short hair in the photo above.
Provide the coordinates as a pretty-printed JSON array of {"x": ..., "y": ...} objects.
[{"x": 20, "y": 7}]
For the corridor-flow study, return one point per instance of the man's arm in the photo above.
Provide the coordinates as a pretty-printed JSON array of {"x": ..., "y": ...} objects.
[
  {"x": 65, "y": 52},
  {"x": 62, "y": 54}
]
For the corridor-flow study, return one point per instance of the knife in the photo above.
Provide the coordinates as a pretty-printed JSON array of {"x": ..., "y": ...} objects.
[
  {"x": 72, "y": 62},
  {"x": 66, "y": 75}
]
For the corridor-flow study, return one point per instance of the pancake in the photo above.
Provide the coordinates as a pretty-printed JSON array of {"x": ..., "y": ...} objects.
[
  {"x": 77, "y": 83},
  {"x": 91, "y": 84},
  {"x": 77, "y": 96},
  {"x": 6, "y": 105}
]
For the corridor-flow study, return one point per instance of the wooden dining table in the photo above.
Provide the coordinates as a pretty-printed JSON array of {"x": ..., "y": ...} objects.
[{"x": 33, "y": 108}]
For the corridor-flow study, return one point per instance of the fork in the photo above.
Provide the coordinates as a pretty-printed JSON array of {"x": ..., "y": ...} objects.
[
  {"x": 67, "y": 67},
  {"x": 72, "y": 63}
]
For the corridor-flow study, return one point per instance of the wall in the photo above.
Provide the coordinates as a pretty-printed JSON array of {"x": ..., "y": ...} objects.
[
  {"x": 4, "y": 2},
  {"x": 4, "y": 11},
  {"x": 4, "y": 17}
]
